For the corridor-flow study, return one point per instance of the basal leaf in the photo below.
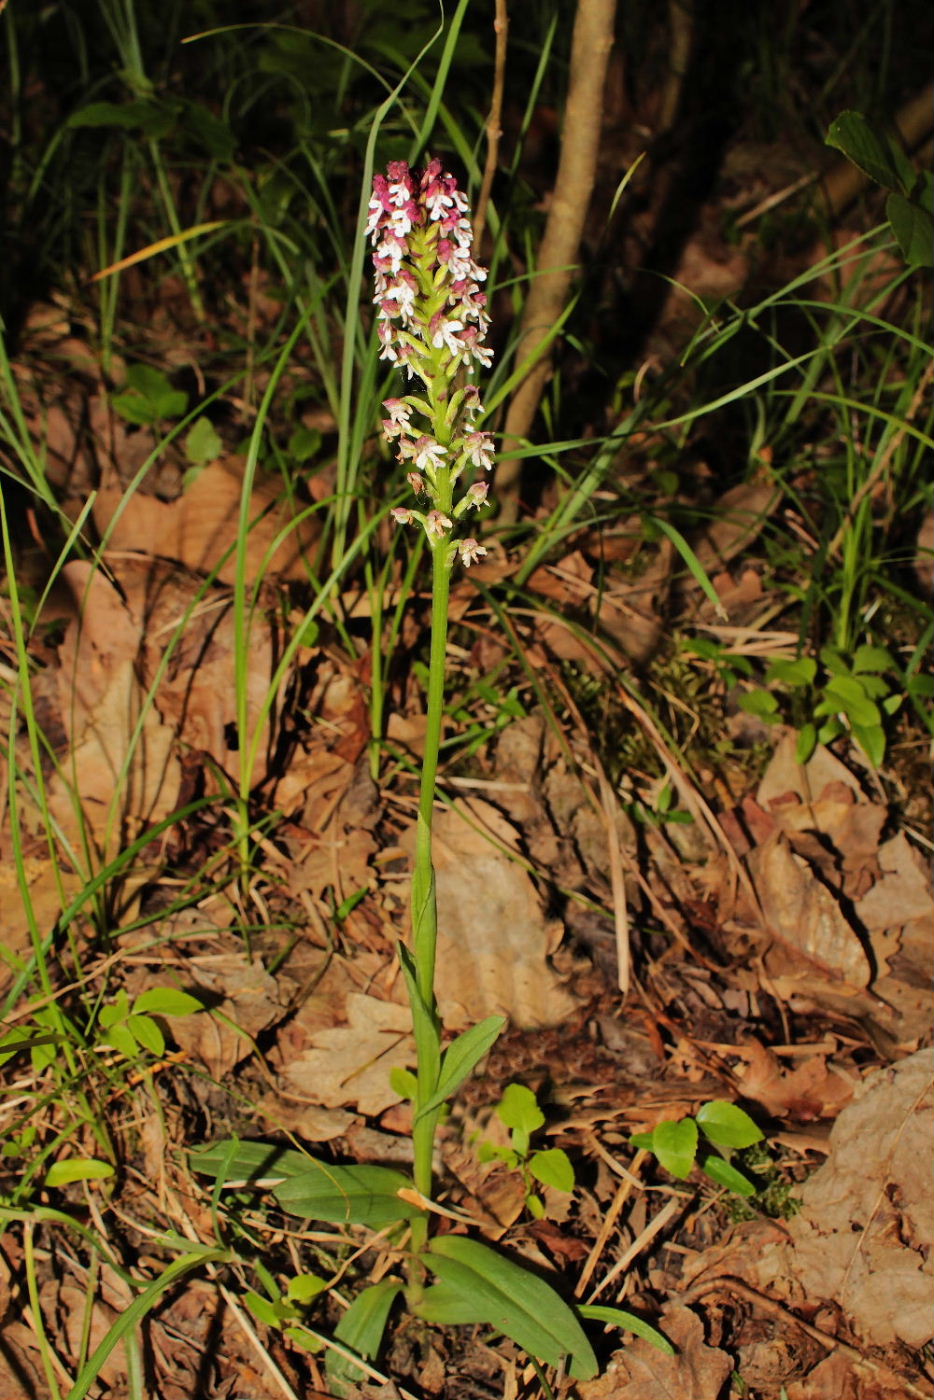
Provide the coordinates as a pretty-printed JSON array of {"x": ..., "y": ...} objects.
[
  {"x": 305, "y": 1186},
  {"x": 347, "y": 1195},
  {"x": 876, "y": 154},
  {"x": 515, "y": 1301},
  {"x": 361, "y": 1328},
  {"x": 232, "y": 1160},
  {"x": 727, "y": 1125},
  {"x": 619, "y": 1317}
]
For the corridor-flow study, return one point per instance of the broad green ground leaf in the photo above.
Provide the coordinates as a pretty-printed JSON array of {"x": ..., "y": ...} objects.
[
  {"x": 879, "y": 157},
  {"x": 869, "y": 658},
  {"x": 619, "y": 1317},
  {"x": 552, "y": 1167},
  {"x": 69, "y": 1169},
  {"x": 361, "y": 1328},
  {"x": 807, "y": 743},
  {"x": 202, "y": 443},
  {"x": 462, "y": 1056},
  {"x": 448, "y": 1307},
  {"x": 725, "y": 1174},
  {"x": 146, "y": 1033},
  {"x": 727, "y": 1125},
  {"x": 761, "y": 703},
  {"x": 675, "y": 1146},
  {"x": 303, "y": 1287},
  {"x": 871, "y": 739},
  {"x": 849, "y": 696},
  {"x": 913, "y": 226},
  {"x": 514, "y": 1301}
]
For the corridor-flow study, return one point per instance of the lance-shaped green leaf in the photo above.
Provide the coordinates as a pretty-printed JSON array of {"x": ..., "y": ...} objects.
[
  {"x": 479, "y": 1285},
  {"x": 348, "y": 1195},
  {"x": 461, "y": 1057},
  {"x": 308, "y": 1187},
  {"x": 248, "y": 1162},
  {"x": 361, "y": 1329},
  {"x": 619, "y": 1317}
]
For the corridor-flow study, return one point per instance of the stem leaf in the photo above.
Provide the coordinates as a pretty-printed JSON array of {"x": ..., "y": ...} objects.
[{"x": 461, "y": 1057}]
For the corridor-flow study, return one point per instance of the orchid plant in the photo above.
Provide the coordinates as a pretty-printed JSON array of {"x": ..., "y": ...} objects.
[{"x": 431, "y": 322}]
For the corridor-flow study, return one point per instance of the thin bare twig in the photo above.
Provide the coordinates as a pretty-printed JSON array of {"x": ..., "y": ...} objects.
[
  {"x": 560, "y": 246},
  {"x": 494, "y": 125}
]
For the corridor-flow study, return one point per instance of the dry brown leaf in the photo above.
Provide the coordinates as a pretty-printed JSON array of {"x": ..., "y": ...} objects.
[
  {"x": 741, "y": 513},
  {"x": 351, "y": 1064},
  {"x": 197, "y": 692},
  {"x": 836, "y": 1378},
  {"x": 124, "y": 779},
  {"x": 199, "y": 527},
  {"x": 809, "y": 1091},
  {"x": 863, "y": 1238},
  {"x": 494, "y": 938},
  {"x": 804, "y": 916},
  {"x": 786, "y": 775},
  {"x": 641, "y": 1372},
  {"x": 903, "y": 893},
  {"x": 44, "y": 898}
]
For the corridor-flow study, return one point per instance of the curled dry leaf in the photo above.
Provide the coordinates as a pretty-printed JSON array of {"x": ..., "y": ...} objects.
[{"x": 803, "y": 915}]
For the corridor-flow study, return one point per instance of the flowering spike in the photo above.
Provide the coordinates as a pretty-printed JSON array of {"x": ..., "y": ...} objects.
[{"x": 432, "y": 321}]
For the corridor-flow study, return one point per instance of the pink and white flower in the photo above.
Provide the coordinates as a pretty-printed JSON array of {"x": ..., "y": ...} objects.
[
  {"x": 470, "y": 551},
  {"x": 428, "y": 454}
]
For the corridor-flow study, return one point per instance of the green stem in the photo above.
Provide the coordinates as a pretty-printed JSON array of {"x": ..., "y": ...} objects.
[{"x": 424, "y": 904}]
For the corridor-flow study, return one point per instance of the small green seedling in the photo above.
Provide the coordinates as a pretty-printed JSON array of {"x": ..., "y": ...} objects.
[
  {"x": 519, "y": 1110},
  {"x": 131, "y": 1029},
  {"x": 149, "y": 397},
  {"x": 855, "y": 695},
  {"x": 725, "y": 1126}
]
